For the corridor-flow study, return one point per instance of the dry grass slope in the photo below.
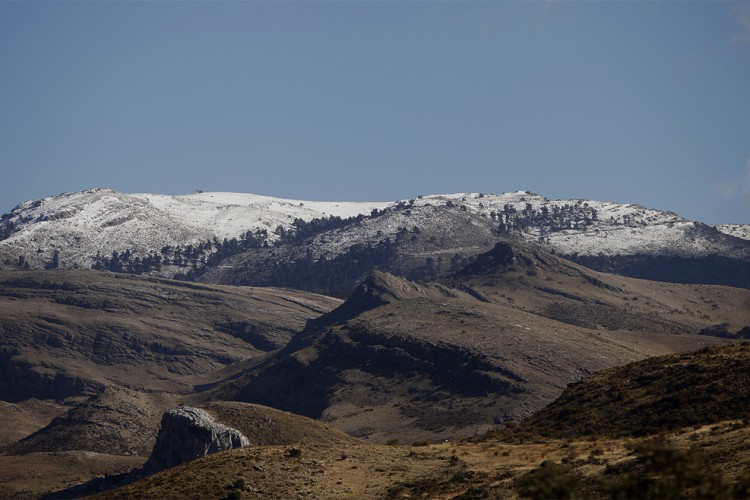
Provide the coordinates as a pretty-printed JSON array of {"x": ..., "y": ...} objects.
[
  {"x": 72, "y": 333},
  {"x": 702, "y": 455},
  {"x": 495, "y": 343},
  {"x": 651, "y": 396},
  {"x": 265, "y": 426},
  {"x": 603, "y": 468}
]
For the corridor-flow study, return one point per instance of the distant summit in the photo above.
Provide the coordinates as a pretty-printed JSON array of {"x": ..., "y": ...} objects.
[{"x": 328, "y": 247}]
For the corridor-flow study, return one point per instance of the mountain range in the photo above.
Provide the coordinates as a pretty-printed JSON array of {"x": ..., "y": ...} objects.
[
  {"x": 454, "y": 316},
  {"x": 494, "y": 343},
  {"x": 231, "y": 238}
]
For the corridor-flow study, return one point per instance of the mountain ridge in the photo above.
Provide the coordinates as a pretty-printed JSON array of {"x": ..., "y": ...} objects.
[
  {"x": 83, "y": 229},
  {"x": 71, "y": 333},
  {"x": 494, "y": 343}
]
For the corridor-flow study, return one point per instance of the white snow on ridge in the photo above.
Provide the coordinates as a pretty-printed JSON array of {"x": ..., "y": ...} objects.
[
  {"x": 341, "y": 209},
  {"x": 485, "y": 203},
  {"x": 80, "y": 225},
  {"x": 228, "y": 215},
  {"x": 623, "y": 229},
  {"x": 737, "y": 230}
]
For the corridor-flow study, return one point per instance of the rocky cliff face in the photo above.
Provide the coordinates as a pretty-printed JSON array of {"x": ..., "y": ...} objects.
[{"x": 189, "y": 433}]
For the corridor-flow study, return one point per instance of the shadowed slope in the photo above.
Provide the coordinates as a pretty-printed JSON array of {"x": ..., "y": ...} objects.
[
  {"x": 408, "y": 360},
  {"x": 654, "y": 395},
  {"x": 117, "y": 421},
  {"x": 68, "y": 333}
]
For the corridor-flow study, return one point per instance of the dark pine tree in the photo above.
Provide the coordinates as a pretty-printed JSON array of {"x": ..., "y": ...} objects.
[{"x": 54, "y": 263}]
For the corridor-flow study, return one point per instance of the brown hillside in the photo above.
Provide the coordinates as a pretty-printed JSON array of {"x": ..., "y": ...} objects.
[
  {"x": 415, "y": 361},
  {"x": 67, "y": 333},
  {"x": 399, "y": 360},
  {"x": 265, "y": 426},
  {"x": 651, "y": 396},
  {"x": 29, "y": 477},
  {"x": 24, "y": 418},
  {"x": 117, "y": 421},
  {"x": 535, "y": 281},
  {"x": 707, "y": 462},
  {"x": 701, "y": 451}
]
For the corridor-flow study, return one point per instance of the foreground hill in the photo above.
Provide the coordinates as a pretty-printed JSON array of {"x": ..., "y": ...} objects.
[
  {"x": 654, "y": 395},
  {"x": 700, "y": 452},
  {"x": 328, "y": 247},
  {"x": 706, "y": 462},
  {"x": 497, "y": 342},
  {"x": 126, "y": 450},
  {"x": 71, "y": 333}
]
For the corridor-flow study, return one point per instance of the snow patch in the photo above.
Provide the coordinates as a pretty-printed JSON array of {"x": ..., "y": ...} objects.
[{"x": 99, "y": 221}]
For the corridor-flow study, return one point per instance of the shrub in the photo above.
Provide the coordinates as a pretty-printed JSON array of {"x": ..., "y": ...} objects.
[
  {"x": 550, "y": 480},
  {"x": 663, "y": 471}
]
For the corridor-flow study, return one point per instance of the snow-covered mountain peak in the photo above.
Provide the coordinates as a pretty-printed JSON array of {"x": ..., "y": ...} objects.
[
  {"x": 741, "y": 231},
  {"x": 82, "y": 225}
]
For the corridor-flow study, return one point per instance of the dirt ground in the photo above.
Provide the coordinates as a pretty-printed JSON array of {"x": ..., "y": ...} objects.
[{"x": 30, "y": 476}]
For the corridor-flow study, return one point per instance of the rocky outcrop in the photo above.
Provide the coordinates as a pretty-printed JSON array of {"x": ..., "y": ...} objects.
[{"x": 188, "y": 433}]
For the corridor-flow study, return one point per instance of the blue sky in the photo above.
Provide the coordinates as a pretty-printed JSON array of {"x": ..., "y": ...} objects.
[{"x": 634, "y": 102}]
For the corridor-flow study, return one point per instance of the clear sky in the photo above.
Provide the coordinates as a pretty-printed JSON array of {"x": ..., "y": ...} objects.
[{"x": 638, "y": 102}]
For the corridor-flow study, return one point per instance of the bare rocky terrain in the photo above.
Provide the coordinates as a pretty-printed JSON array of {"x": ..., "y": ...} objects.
[
  {"x": 706, "y": 457},
  {"x": 494, "y": 343},
  {"x": 72, "y": 333},
  {"x": 91, "y": 360}
]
